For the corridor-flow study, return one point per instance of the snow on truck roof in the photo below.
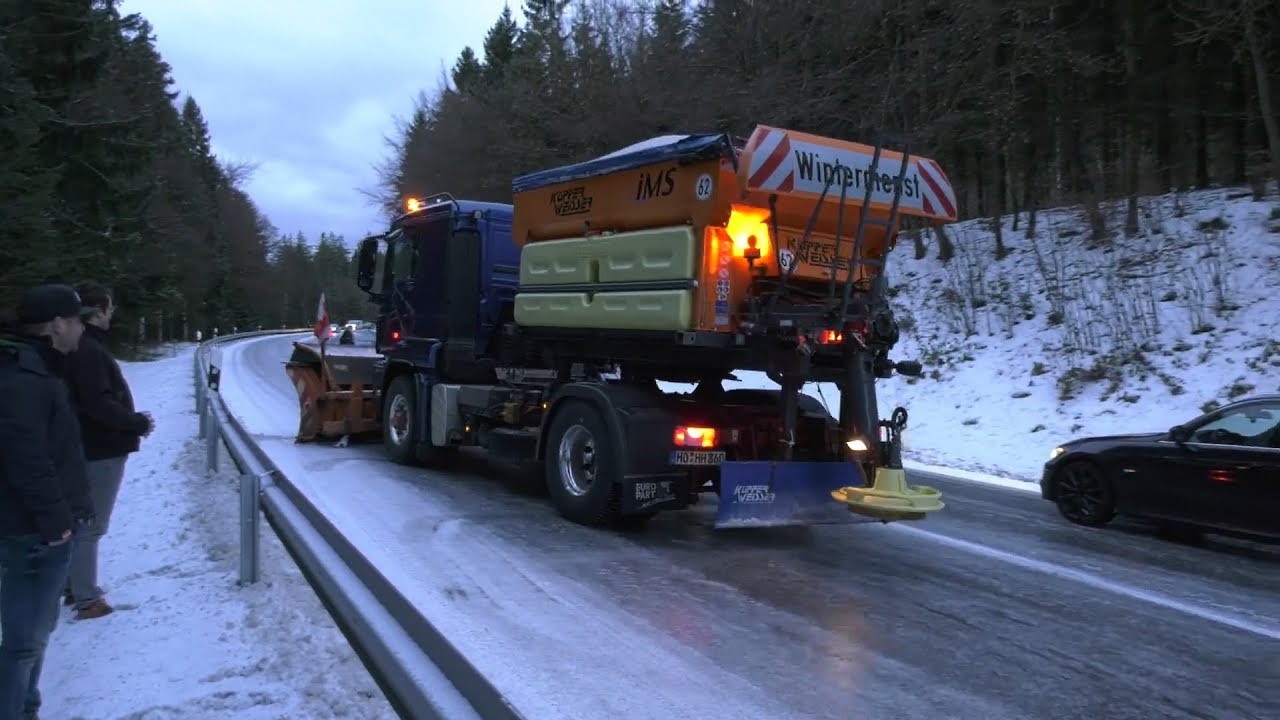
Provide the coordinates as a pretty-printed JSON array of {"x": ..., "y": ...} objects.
[{"x": 664, "y": 148}]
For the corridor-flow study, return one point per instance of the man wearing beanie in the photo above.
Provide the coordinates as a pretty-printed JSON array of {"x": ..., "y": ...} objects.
[{"x": 44, "y": 498}]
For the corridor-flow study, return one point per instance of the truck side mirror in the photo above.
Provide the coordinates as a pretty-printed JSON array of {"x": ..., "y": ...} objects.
[
  {"x": 367, "y": 263},
  {"x": 1179, "y": 434}
]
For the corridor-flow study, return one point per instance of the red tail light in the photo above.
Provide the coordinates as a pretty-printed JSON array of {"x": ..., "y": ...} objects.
[{"x": 689, "y": 436}]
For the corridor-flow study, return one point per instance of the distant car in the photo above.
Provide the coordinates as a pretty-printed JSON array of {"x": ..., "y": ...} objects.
[{"x": 1219, "y": 471}]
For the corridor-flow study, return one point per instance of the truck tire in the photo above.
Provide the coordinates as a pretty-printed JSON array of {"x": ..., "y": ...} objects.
[
  {"x": 583, "y": 467},
  {"x": 401, "y": 433},
  {"x": 399, "y": 428}
]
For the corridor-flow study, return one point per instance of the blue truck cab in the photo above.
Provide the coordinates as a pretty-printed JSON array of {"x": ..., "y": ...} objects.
[{"x": 445, "y": 277}]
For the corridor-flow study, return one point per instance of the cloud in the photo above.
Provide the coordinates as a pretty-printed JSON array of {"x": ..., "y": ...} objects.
[{"x": 309, "y": 90}]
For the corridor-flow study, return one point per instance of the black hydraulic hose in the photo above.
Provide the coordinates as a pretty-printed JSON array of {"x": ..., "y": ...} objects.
[
  {"x": 808, "y": 231},
  {"x": 835, "y": 259}
]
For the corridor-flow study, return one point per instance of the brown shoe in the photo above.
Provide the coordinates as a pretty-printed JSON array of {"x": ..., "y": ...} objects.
[{"x": 95, "y": 610}]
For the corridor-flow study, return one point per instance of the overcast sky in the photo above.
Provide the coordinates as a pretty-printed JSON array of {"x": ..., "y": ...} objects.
[{"x": 308, "y": 90}]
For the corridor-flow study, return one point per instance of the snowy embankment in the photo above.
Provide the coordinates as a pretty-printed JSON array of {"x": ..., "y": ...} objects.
[
  {"x": 1065, "y": 338},
  {"x": 186, "y": 641}
]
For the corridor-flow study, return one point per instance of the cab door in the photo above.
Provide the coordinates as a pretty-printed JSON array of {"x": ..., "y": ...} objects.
[{"x": 399, "y": 283}]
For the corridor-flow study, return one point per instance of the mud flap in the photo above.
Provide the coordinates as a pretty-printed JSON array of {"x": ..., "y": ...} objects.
[{"x": 764, "y": 493}]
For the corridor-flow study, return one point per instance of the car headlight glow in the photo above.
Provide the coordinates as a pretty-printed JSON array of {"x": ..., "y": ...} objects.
[
  {"x": 857, "y": 445},
  {"x": 1056, "y": 452}
]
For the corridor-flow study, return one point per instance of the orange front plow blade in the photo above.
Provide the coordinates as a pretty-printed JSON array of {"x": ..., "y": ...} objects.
[{"x": 327, "y": 409}]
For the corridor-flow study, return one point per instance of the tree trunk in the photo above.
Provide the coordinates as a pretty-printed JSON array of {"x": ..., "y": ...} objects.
[
  {"x": 997, "y": 201},
  {"x": 1263, "y": 81},
  {"x": 1241, "y": 106},
  {"x": 1164, "y": 150},
  {"x": 946, "y": 250},
  {"x": 1186, "y": 92},
  {"x": 1200, "y": 143},
  {"x": 1030, "y": 187},
  {"x": 1131, "y": 131}
]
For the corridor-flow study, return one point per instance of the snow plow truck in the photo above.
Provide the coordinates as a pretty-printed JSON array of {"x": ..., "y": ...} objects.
[{"x": 544, "y": 330}]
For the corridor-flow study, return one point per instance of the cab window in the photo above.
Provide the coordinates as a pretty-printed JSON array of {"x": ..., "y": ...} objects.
[{"x": 404, "y": 260}]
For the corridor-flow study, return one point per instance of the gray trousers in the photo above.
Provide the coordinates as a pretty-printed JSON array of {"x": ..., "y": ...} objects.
[{"x": 105, "y": 477}]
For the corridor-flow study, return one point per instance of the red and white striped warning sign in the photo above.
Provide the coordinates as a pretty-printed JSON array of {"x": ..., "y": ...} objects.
[
  {"x": 771, "y": 166},
  {"x": 938, "y": 198}
]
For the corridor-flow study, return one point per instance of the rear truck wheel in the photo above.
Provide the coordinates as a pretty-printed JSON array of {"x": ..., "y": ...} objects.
[
  {"x": 401, "y": 432},
  {"x": 1083, "y": 494},
  {"x": 582, "y": 465}
]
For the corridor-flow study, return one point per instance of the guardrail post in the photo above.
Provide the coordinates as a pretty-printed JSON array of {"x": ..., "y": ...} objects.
[
  {"x": 250, "y": 525},
  {"x": 214, "y": 437},
  {"x": 202, "y": 405}
]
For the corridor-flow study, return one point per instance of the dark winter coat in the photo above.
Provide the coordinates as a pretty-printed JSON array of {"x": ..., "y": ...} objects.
[
  {"x": 43, "y": 487},
  {"x": 109, "y": 425}
]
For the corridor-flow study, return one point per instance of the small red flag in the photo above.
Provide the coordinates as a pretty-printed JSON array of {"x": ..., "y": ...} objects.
[{"x": 321, "y": 328}]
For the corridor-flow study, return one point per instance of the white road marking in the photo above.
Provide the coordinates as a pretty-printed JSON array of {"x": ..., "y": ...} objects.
[{"x": 1233, "y": 620}]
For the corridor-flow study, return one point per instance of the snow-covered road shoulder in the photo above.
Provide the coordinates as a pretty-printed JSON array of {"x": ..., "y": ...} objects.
[{"x": 186, "y": 640}]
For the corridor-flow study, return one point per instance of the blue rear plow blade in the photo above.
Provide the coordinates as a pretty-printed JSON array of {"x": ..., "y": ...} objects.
[
  {"x": 765, "y": 493},
  {"x": 774, "y": 493}
]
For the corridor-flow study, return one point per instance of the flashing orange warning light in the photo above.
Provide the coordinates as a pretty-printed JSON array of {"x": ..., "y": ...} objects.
[
  {"x": 830, "y": 337},
  {"x": 412, "y": 204},
  {"x": 748, "y": 229}
]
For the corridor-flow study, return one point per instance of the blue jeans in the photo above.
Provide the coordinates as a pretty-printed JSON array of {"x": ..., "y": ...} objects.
[{"x": 32, "y": 576}]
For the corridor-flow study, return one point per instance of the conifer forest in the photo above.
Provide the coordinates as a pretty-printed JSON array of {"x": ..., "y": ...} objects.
[{"x": 106, "y": 169}]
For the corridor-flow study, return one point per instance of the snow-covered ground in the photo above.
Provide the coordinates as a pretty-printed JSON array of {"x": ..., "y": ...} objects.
[
  {"x": 1059, "y": 339},
  {"x": 186, "y": 641}
]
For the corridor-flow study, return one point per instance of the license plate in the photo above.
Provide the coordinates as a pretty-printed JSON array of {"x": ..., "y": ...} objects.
[{"x": 697, "y": 457}]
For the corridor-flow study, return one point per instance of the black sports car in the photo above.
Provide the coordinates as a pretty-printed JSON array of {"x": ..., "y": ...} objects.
[{"x": 1220, "y": 471}]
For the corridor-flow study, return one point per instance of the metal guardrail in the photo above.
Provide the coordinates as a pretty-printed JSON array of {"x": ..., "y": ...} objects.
[{"x": 418, "y": 669}]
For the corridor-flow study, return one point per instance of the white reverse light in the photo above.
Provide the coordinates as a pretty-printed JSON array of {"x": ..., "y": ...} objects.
[{"x": 857, "y": 445}]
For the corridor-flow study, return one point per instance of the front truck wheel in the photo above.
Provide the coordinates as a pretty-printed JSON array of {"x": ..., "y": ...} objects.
[
  {"x": 583, "y": 468},
  {"x": 401, "y": 433}
]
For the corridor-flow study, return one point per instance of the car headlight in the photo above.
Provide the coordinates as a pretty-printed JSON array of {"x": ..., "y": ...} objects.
[
  {"x": 1056, "y": 452},
  {"x": 857, "y": 445}
]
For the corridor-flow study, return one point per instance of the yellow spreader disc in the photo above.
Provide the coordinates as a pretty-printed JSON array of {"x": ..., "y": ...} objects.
[{"x": 890, "y": 498}]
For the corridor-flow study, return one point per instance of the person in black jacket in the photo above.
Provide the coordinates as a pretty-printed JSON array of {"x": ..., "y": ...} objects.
[
  {"x": 44, "y": 498},
  {"x": 110, "y": 429}
]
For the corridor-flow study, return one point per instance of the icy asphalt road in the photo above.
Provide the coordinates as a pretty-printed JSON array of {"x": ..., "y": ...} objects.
[{"x": 994, "y": 609}]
